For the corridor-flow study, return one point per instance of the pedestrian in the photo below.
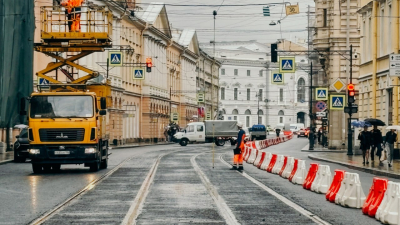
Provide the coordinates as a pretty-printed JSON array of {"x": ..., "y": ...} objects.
[
  {"x": 238, "y": 151},
  {"x": 166, "y": 133},
  {"x": 376, "y": 143},
  {"x": 365, "y": 143},
  {"x": 390, "y": 139},
  {"x": 319, "y": 136},
  {"x": 278, "y": 131},
  {"x": 73, "y": 10}
]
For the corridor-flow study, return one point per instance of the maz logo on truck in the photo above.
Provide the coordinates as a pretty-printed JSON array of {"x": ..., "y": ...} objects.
[{"x": 62, "y": 136}]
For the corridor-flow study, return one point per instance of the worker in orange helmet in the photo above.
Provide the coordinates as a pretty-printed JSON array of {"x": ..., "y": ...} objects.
[
  {"x": 238, "y": 151},
  {"x": 73, "y": 9}
]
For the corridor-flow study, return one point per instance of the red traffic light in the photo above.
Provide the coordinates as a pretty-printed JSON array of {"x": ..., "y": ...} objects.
[
  {"x": 352, "y": 93},
  {"x": 149, "y": 62},
  {"x": 350, "y": 87}
]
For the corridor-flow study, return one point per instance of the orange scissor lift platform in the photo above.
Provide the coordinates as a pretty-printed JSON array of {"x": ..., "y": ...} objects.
[{"x": 95, "y": 36}]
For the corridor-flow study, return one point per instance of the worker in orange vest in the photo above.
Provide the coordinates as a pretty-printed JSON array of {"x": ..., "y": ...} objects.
[
  {"x": 238, "y": 151},
  {"x": 73, "y": 9}
]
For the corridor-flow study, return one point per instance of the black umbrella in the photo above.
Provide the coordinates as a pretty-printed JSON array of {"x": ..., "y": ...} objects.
[{"x": 376, "y": 122}]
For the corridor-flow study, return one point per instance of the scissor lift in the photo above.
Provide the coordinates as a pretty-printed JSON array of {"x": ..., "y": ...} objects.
[{"x": 95, "y": 36}]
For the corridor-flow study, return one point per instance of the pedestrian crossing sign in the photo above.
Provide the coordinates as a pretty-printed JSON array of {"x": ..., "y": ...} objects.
[
  {"x": 337, "y": 102},
  {"x": 138, "y": 74},
  {"x": 277, "y": 78},
  {"x": 43, "y": 81},
  {"x": 321, "y": 94},
  {"x": 115, "y": 58},
  {"x": 287, "y": 64}
]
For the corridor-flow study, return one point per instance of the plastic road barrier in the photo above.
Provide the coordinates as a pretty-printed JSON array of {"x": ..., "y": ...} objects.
[
  {"x": 375, "y": 196},
  {"x": 388, "y": 211},
  {"x": 285, "y": 160},
  {"x": 323, "y": 180},
  {"x": 289, "y": 167},
  {"x": 258, "y": 158},
  {"x": 261, "y": 160},
  {"x": 253, "y": 156},
  {"x": 312, "y": 173},
  {"x": 300, "y": 174},
  {"x": 350, "y": 193},
  {"x": 294, "y": 170},
  {"x": 266, "y": 161},
  {"x": 272, "y": 163},
  {"x": 335, "y": 186},
  {"x": 278, "y": 165}
]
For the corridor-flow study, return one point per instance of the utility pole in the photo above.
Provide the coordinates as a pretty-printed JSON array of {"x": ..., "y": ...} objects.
[
  {"x": 311, "y": 133},
  {"x": 350, "y": 105},
  {"x": 258, "y": 107},
  {"x": 212, "y": 71}
]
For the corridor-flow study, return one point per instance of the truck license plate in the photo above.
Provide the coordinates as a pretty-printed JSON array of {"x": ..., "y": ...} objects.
[{"x": 61, "y": 152}]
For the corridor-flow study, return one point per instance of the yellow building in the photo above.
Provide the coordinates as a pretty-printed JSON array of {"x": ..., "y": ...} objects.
[{"x": 378, "y": 91}]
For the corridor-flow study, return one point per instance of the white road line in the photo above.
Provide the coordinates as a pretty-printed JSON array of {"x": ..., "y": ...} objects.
[
  {"x": 298, "y": 208},
  {"x": 137, "y": 204},
  {"x": 223, "y": 208}
]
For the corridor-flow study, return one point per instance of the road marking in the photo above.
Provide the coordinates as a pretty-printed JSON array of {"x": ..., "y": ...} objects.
[
  {"x": 90, "y": 186},
  {"x": 223, "y": 208},
  {"x": 298, "y": 208},
  {"x": 137, "y": 205}
]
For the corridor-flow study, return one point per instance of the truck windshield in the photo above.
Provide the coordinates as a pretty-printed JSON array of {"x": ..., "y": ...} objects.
[{"x": 61, "y": 107}]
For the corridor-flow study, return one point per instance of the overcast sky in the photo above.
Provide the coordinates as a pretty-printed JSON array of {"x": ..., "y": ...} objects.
[{"x": 236, "y": 23}]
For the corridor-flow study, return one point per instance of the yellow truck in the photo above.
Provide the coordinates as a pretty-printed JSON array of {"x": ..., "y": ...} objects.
[
  {"x": 68, "y": 127},
  {"x": 67, "y": 123}
]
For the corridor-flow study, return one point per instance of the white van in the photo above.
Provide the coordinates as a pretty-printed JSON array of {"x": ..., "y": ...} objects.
[{"x": 295, "y": 127}]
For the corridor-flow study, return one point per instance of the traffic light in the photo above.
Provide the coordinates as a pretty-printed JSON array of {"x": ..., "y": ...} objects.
[
  {"x": 274, "y": 53},
  {"x": 149, "y": 64},
  {"x": 351, "y": 93}
]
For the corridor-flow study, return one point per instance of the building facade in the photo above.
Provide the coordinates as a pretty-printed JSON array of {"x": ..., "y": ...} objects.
[
  {"x": 335, "y": 30},
  {"x": 248, "y": 92},
  {"x": 378, "y": 91}
]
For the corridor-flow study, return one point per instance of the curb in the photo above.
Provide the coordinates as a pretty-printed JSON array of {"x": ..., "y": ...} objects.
[
  {"x": 6, "y": 161},
  {"x": 336, "y": 151},
  {"x": 367, "y": 170}
]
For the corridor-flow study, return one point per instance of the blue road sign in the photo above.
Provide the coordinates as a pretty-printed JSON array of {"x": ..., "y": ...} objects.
[
  {"x": 337, "y": 102},
  {"x": 138, "y": 74},
  {"x": 321, "y": 94},
  {"x": 43, "y": 81},
  {"x": 321, "y": 106},
  {"x": 277, "y": 78},
  {"x": 115, "y": 58},
  {"x": 287, "y": 65}
]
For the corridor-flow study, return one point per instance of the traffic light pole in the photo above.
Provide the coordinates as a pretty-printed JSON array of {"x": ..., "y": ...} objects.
[
  {"x": 311, "y": 133},
  {"x": 350, "y": 105}
]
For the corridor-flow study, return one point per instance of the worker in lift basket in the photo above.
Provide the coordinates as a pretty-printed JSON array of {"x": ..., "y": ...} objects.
[
  {"x": 73, "y": 9},
  {"x": 238, "y": 151}
]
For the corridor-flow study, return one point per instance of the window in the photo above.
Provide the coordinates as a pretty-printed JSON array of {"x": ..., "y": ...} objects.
[
  {"x": 261, "y": 73},
  {"x": 248, "y": 94},
  {"x": 390, "y": 106},
  {"x": 235, "y": 72},
  {"x": 260, "y": 95},
  {"x": 235, "y": 112},
  {"x": 382, "y": 32},
  {"x": 281, "y": 113},
  {"x": 235, "y": 94},
  {"x": 301, "y": 90},
  {"x": 248, "y": 112},
  {"x": 190, "y": 128},
  {"x": 260, "y": 112},
  {"x": 222, "y": 71},
  {"x": 247, "y": 121},
  {"x": 281, "y": 95},
  {"x": 235, "y": 118},
  {"x": 222, "y": 93},
  {"x": 325, "y": 18},
  {"x": 248, "y": 73},
  {"x": 200, "y": 128},
  {"x": 280, "y": 119}
]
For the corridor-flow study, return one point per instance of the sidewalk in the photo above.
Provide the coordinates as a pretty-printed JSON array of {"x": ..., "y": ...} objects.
[
  {"x": 9, "y": 156},
  {"x": 319, "y": 148},
  {"x": 355, "y": 162}
]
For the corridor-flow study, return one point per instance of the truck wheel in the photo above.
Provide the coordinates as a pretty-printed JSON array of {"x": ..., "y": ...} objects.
[
  {"x": 94, "y": 167},
  {"x": 37, "y": 168},
  {"x": 104, "y": 163},
  {"x": 232, "y": 142},
  {"x": 17, "y": 158},
  {"x": 220, "y": 142},
  {"x": 183, "y": 142}
]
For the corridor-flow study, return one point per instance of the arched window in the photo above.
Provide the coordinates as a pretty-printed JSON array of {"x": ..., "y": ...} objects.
[
  {"x": 235, "y": 112},
  {"x": 260, "y": 112},
  {"x": 301, "y": 90},
  {"x": 248, "y": 112},
  {"x": 281, "y": 113},
  {"x": 223, "y": 111}
]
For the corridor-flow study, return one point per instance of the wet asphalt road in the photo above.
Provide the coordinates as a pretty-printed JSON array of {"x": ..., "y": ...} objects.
[{"x": 183, "y": 188}]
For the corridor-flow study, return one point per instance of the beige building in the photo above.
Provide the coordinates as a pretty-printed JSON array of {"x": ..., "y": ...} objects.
[
  {"x": 378, "y": 91},
  {"x": 336, "y": 28}
]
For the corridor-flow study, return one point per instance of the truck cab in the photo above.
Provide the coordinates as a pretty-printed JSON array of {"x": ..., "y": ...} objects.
[
  {"x": 68, "y": 128},
  {"x": 258, "y": 132},
  {"x": 193, "y": 132}
]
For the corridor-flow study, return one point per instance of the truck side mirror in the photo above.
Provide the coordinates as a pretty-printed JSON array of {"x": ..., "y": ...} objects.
[
  {"x": 103, "y": 103},
  {"x": 22, "y": 110},
  {"x": 103, "y": 112}
]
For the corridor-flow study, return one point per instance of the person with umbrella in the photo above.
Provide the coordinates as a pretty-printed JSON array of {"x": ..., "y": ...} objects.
[
  {"x": 376, "y": 143},
  {"x": 390, "y": 139},
  {"x": 365, "y": 143}
]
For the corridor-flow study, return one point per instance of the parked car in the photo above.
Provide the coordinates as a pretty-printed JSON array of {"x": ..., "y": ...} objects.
[
  {"x": 303, "y": 133},
  {"x": 21, "y": 146}
]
